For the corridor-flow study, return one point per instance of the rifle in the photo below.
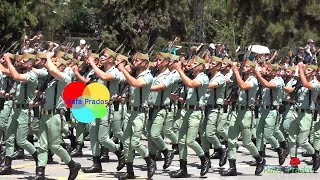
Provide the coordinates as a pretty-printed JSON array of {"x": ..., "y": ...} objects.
[
  {"x": 100, "y": 45},
  {"x": 6, "y": 50},
  {"x": 118, "y": 48},
  {"x": 40, "y": 97}
]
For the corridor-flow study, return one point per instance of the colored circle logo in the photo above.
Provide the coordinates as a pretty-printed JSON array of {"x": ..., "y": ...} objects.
[{"x": 87, "y": 102}]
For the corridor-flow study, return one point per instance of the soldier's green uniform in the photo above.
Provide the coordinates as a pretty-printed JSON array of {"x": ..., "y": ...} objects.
[
  {"x": 316, "y": 131},
  {"x": 18, "y": 125},
  {"x": 7, "y": 85},
  {"x": 159, "y": 104},
  {"x": 213, "y": 112},
  {"x": 269, "y": 115},
  {"x": 51, "y": 125},
  {"x": 244, "y": 120},
  {"x": 288, "y": 115},
  {"x": 135, "y": 118},
  {"x": 299, "y": 128}
]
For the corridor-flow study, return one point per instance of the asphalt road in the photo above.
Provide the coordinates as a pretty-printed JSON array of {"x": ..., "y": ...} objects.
[{"x": 25, "y": 169}]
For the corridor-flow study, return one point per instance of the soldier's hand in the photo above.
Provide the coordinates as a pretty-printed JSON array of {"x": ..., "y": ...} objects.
[
  {"x": 301, "y": 65},
  {"x": 75, "y": 68},
  {"x": 2, "y": 93},
  {"x": 91, "y": 60},
  {"x": 234, "y": 66},
  {"x": 121, "y": 67}
]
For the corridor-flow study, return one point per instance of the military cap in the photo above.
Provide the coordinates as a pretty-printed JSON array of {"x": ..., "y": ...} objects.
[
  {"x": 27, "y": 55},
  {"x": 275, "y": 66},
  {"x": 199, "y": 60},
  {"x": 164, "y": 55},
  {"x": 314, "y": 67},
  {"x": 75, "y": 61},
  {"x": 60, "y": 54},
  {"x": 216, "y": 59},
  {"x": 62, "y": 61},
  {"x": 110, "y": 52},
  {"x": 301, "y": 48},
  {"x": 41, "y": 55},
  {"x": 94, "y": 55},
  {"x": 292, "y": 68},
  {"x": 228, "y": 60},
  {"x": 68, "y": 56},
  {"x": 174, "y": 57},
  {"x": 123, "y": 57},
  {"x": 12, "y": 56},
  {"x": 251, "y": 63},
  {"x": 142, "y": 56}
]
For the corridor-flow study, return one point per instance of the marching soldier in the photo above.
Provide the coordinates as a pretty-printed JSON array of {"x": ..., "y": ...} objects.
[
  {"x": 304, "y": 107},
  {"x": 244, "y": 118},
  {"x": 159, "y": 105},
  {"x": 51, "y": 122},
  {"x": 213, "y": 112},
  {"x": 135, "y": 119},
  {"x": 99, "y": 129},
  {"x": 191, "y": 116},
  {"x": 269, "y": 112},
  {"x": 22, "y": 112}
]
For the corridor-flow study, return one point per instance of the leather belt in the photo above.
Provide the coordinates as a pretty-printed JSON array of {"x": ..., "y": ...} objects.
[
  {"x": 21, "y": 106},
  {"x": 49, "y": 112},
  {"x": 269, "y": 107},
  {"x": 303, "y": 110},
  {"x": 244, "y": 108},
  {"x": 214, "y": 106},
  {"x": 9, "y": 98},
  {"x": 159, "y": 107},
  {"x": 192, "y": 107},
  {"x": 139, "y": 109}
]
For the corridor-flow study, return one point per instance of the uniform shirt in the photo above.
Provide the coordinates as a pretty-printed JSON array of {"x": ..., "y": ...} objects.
[
  {"x": 219, "y": 99},
  {"x": 175, "y": 81},
  {"x": 155, "y": 96},
  {"x": 50, "y": 92},
  {"x": 42, "y": 73},
  {"x": 135, "y": 99},
  {"x": 192, "y": 97},
  {"x": 113, "y": 86},
  {"x": 277, "y": 93},
  {"x": 229, "y": 85},
  {"x": 290, "y": 83},
  {"x": 32, "y": 83},
  {"x": 69, "y": 71},
  {"x": 304, "y": 101},
  {"x": 242, "y": 100}
]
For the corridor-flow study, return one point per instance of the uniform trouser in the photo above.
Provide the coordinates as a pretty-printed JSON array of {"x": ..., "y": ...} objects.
[
  {"x": 80, "y": 130},
  {"x": 316, "y": 140},
  {"x": 176, "y": 121},
  {"x": 154, "y": 129},
  {"x": 116, "y": 122},
  {"x": 288, "y": 116},
  {"x": 190, "y": 122},
  {"x": 132, "y": 134},
  {"x": 5, "y": 114},
  {"x": 241, "y": 122},
  {"x": 209, "y": 130},
  {"x": 18, "y": 127},
  {"x": 168, "y": 129},
  {"x": 50, "y": 137},
  {"x": 266, "y": 128},
  {"x": 299, "y": 130},
  {"x": 278, "y": 134},
  {"x": 99, "y": 134}
]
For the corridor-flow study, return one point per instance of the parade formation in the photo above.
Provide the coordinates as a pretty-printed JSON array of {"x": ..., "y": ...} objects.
[{"x": 202, "y": 99}]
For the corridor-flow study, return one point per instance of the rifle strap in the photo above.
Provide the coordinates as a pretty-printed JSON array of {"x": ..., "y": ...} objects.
[
  {"x": 140, "y": 90},
  {"x": 25, "y": 92},
  {"x": 215, "y": 95},
  {"x": 247, "y": 98},
  {"x": 271, "y": 97},
  {"x": 55, "y": 95},
  {"x": 197, "y": 95},
  {"x": 310, "y": 98}
]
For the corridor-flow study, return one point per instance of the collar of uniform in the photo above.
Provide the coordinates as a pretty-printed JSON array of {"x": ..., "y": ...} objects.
[
  {"x": 217, "y": 75},
  {"x": 111, "y": 69},
  {"x": 145, "y": 72},
  {"x": 166, "y": 72},
  {"x": 200, "y": 74}
]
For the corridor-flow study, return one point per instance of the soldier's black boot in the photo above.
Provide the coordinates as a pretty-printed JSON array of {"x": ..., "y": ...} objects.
[
  {"x": 223, "y": 157},
  {"x": 19, "y": 153},
  {"x": 151, "y": 164},
  {"x": 78, "y": 151},
  {"x": 175, "y": 149},
  {"x": 316, "y": 161},
  {"x": 284, "y": 145},
  {"x": 208, "y": 156},
  {"x": 215, "y": 154},
  {"x": 73, "y": 142},
  {"x": 121, "y": 160},
  {"x": 232, "y": 171},
  {"x": 129, "y": 174},
  {"x": 2, "y": 158},
  {"x": 168, "y": 156},
  {"x": 74, "y": 169},
  {"x": 40, "y": 173},
  {"x": 260, "y": 164},
  {"x": 254, "y": 141},
  {"x": 182, "y": 172},
  {"x": 6, "y": 169},
  {"x": 158, "y": 156},
  {"x": 104, "y": 154},
  {"x": 50, "y": 157},
  {"x": 205, "y": 162},
  {"x": 282, "y": 155},
  {"x": 96, "y": 167}
]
